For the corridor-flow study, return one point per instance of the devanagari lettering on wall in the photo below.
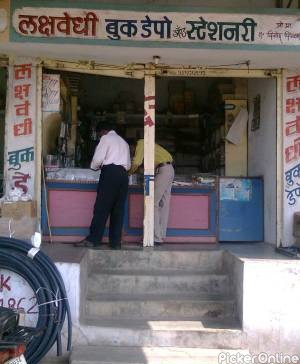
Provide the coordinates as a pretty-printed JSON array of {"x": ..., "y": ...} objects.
[
  {"x": 220, "y": 31},
  {"x": 292, "y": 139},
  {"x": 115, "y": 28},
  {"x": 67, "y": 25},
  {"x": 159, "y": 27},
  {"x": 22, "y": 91},
  {"x": 23, "y": 128},
  {"x": 16, "y": 157},
  {"x": 123, "y": 25},
  {"x": 21, "y": 132}
]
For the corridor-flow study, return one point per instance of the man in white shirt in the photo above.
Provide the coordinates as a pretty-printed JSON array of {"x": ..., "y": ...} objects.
[{"x": 112, "y": 156}]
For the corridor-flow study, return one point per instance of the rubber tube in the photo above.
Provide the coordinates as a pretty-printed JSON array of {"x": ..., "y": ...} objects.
[{"x": 44, "y": 278}]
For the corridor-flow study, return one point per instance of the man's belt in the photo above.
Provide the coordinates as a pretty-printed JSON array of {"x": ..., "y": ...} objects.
[{"x": 164, "y": 164}]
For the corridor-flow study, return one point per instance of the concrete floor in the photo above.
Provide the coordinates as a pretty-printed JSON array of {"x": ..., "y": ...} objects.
[
  {"x": 69, "y": 254},
  {"x": 55, "y": 360},
  {"x": 254, "y": 251}
]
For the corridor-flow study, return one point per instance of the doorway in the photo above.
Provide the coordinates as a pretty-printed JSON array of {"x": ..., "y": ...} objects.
[{"x": 192, "y": 120}]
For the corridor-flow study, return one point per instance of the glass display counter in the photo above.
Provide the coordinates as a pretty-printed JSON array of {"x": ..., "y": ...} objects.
[{"x": 192, "y": 219}]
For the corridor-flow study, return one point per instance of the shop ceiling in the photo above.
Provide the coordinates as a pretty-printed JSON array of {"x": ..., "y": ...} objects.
[{"x": 117, "y": 55}]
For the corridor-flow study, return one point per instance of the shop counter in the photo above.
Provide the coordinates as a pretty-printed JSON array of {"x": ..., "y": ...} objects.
[{"x": 192, "y": 219}]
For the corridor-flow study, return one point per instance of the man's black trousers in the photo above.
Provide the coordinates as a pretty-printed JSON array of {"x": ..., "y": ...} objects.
[{"x": 110, "y": 202}]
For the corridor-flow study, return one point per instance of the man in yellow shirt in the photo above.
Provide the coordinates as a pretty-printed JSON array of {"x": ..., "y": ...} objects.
[{"x": 164, "y": 177}]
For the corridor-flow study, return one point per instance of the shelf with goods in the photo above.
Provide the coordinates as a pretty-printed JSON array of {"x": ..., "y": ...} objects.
[
  {"x": 196, "y": 141},
  {"x": 178, "y": 133},
  {"x": 212, "y": 126}
]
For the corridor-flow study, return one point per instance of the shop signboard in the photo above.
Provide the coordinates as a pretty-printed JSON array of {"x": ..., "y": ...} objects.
[
  {"x": 291, "y": 157},
  {"x": 20, "y": 127},
  {"x": 193, "y": 28}
]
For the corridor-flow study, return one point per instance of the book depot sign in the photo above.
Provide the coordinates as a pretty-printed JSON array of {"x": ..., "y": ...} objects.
[
  {"x": 185, "y": 28},
  {"x": 20, "y": 126}
]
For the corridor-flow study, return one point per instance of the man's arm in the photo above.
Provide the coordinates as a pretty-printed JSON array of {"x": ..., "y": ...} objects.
[
  {"x": 128, "y": 164},
  {"x": 99, "y": 154},
  {"x": 138, "y": 157}
]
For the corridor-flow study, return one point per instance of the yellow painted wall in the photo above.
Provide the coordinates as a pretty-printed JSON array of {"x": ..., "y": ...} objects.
[
  {"x": 235, "y": 155},
  {"x": 4, "y": 36}
]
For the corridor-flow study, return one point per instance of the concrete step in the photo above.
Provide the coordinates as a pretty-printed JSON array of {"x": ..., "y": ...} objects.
[
  {"x": 209, "y": 333},
  {"x": 155, "y": 355},
  {"x": 163, "y": 306},
  {"x": 161, "y": 281},
  {"x": 55, "y": 359},
  {"x": 151, "y": 259}
]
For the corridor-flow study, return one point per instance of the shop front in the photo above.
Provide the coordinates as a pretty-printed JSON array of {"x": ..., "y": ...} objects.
[
  {"x": 221, "y": 122},
  {"x": 219, "y": 89},
  {"x": 213, "y": 196}
]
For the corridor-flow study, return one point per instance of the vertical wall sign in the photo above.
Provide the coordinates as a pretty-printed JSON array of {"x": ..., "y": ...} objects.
[
  {"x": 20, "y": 126},
  {"x": 291, "y": 155}
]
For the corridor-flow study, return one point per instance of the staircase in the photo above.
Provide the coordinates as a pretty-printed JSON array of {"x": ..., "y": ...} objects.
[{"x": 157, "y": 306}]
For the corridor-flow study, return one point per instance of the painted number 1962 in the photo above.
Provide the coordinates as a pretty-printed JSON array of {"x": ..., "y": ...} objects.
[
  {"x": 27, "y": 305},
  {"x": 16, "y": 293}
]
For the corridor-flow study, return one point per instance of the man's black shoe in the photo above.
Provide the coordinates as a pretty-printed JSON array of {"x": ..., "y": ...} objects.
[
  {"x": 158, "y": 243},
  {"x": 87, "y": 244},
  {"x": 115, "y": 246}
]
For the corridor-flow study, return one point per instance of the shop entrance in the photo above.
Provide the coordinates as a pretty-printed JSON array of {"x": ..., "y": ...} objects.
[
  {"x": 220, "y": 131},
  {"x": 70, "y": 139},
  {"x": 222, "y": 134},
  {"x": 3, "y": 87}
]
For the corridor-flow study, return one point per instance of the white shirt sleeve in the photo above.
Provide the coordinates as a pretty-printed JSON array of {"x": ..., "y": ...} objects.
[{"x": 100, "y": 154}]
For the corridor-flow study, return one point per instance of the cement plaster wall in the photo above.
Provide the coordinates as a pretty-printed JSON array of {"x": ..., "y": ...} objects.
[
  {"x": 267, "y": 292},
  {"x": 262, "y": 149},
  {"x": 271, "y": 296}
]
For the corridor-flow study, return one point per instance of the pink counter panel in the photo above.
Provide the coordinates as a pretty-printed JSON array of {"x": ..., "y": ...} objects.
[
  {"x": 186, "y": 211},
  {"x": 70, "y": 205}
]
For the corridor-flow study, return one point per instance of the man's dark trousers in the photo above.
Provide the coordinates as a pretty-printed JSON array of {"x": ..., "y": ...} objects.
[{"x": 110, "y": 201}]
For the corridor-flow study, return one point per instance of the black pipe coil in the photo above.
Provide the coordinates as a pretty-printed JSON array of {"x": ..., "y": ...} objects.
[{"x": 46, "y": 281}]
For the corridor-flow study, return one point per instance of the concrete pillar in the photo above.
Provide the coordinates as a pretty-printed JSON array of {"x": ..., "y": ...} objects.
[{"x": 149, "y": 143}]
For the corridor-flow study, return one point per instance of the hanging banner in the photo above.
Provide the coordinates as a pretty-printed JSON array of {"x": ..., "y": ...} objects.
[
  {"x": 291, "y": 155},
  {"x": 195, "y": 27},
  {"x": 20, "y": 127},
  {"x": 51, "y": 93}
]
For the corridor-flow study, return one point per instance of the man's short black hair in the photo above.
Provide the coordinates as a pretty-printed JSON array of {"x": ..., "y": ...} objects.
[{"x": 104, "y": 125}]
